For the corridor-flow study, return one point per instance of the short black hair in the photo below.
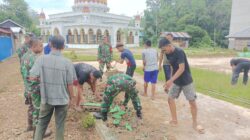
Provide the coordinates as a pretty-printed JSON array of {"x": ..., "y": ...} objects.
[
  {"x": 34, "y": 40},
  {"x": 118, "y": 45},
  {"x": 97, "y": 74},
  {"x": 164, "y": 42},
  {"x": 58, "y": 42},
  {"x": 148, "y": 43},
  {"x": 170, "y": 34},
  {"x": 233, "y": 62}
]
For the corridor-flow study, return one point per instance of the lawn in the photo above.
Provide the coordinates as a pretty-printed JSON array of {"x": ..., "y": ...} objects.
[
  {"x": 217, "y": 85},
  {"x": 77, "y": 55}
]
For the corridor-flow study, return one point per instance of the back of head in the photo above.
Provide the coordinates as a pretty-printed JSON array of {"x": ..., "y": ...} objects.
[
  {"x": 119, "y": 45},
  {"x": 58, "y": 42},
  {"x": 97, "y": 74},
  {"x": 164, "y": 42},
  {"x": 148, "y": 43},
  {"x": 233, "y": 62}
]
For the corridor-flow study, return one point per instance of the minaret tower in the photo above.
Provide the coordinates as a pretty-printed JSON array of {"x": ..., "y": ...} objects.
[{"x": 42, "y": 18}]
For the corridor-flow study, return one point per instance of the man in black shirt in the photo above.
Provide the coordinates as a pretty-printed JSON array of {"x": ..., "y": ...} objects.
[
  {"x": 89, "y": 74},
  {"x": 240, "y": 65},
  {"x": 180, "y": 81}
]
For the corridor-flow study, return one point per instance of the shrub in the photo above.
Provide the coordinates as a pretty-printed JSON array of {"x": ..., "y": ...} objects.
[
  {"x": 88, "y": 121},
  {"x": 73, "y": 55},
  {"x": 245, "y": 49}
]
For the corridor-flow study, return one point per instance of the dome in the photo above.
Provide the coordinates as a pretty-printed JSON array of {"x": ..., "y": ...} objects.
[
  {"x": 42, "y": 15},
  {"x": 98, "y": 6}
]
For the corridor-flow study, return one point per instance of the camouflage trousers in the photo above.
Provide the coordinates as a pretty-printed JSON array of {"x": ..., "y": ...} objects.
[
  {"x": 112, "y": 91},
  {"x": 36, "y": 101},
  {"x": 102, "y": 65},
  {"x": 30, "y": 111}
]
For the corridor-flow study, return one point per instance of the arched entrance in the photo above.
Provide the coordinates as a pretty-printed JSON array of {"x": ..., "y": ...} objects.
[
  {"x": 131, "y": 38},
  {"x": 91, "y": 36},
  {"x": 70, "y": 37},
  {"x": 56, "y": 32},
  {"x": 118, "y": 36},
  {"x": 106, "y": 34},
  {"x": 82, "y": 36},
  {"x": 75, "y": 36},
  {"x": 99, "y": 36}
]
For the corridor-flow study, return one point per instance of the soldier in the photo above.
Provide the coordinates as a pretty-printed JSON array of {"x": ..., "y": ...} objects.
[
  {"x": 25, "y": 47},
  {"x": 105, "y": 55},
  {"x": 28, "y": 61},
  {"x": 115, "y": 85}
]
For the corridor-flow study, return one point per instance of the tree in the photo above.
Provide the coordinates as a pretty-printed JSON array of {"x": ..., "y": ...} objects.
[
  {"x": 18, "y": 11},
  {"x": 212, "y": 16}
]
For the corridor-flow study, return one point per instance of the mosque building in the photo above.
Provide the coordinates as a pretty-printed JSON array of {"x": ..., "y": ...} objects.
[{"x": 88, "y": 22}]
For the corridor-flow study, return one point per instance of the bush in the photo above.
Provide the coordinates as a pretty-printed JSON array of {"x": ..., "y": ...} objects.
[
  {"x": 199, "y": 36},
  {"x": 245, "y": 49},
  {"x": 73, "y": 55},
  {"x": 88, "y": 121}
]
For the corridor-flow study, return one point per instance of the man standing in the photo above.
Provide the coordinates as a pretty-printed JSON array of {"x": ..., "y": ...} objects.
[
  {"x": 47, "y": 48},
  {"x": 28, "y": 61},
  {"x": 166, "y": 65},
  {"x": 150, "y": 68},
  {"x": 57, "y": 75},
  {"x": 115, "y": 85},
  {"x": 180, "y": 81},
  {"x": 25, "y": 47},
  {"x": 105, "y": 55},
  {"x": 240, "y": 65},
  {"x": 89, "y": 74},
  {"x": 127, "y": 55}
]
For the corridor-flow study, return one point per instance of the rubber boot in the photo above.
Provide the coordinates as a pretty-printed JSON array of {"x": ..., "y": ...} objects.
[
  {"x": 139, "y": 114},
  {"x": 102, "y": 116}
]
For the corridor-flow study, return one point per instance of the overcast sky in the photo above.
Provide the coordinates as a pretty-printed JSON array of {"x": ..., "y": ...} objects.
[{"x": 125, "y": 7}]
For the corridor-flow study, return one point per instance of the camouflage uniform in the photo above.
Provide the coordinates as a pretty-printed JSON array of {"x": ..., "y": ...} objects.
[
  {"x": 21, "y": 52},
  {"x": 105, "y": 56},
  {"x": 28, "y": 61},
  {"x": 116, "y": 84}
]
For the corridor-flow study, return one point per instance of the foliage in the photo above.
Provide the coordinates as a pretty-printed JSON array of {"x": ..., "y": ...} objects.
[
  {"x": 211, "y": 16},
  {"x": 88, "y": 121},
  {"x": 245, "y": 49},
  {"x": 18, "y": 11}
]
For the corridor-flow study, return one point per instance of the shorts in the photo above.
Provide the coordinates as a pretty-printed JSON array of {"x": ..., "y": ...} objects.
[
  {"x": 151, "y": 76},
  {"x": 188, "y": 90}
]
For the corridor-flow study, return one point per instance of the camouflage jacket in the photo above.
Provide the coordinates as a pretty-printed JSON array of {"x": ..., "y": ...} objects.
[
  {"x": 22, "y": 50},
  {"x": 105, "y": 53},
  {"x": 122, "y": 82},
  {"x": 27, "y": 62}
]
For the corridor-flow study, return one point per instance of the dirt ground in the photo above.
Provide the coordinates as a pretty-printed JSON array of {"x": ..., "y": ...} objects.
[
  {"x": 222, "y": 120},
  {"x": 13, "y": 112}
]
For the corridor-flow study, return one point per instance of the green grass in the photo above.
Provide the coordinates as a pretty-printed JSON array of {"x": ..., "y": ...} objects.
[
  {"x": 210, "y": 52},
  {"x": 90, "y": 54},
  {"x": 217, "y": 85},
  {"x": 77, "y": 57}
]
